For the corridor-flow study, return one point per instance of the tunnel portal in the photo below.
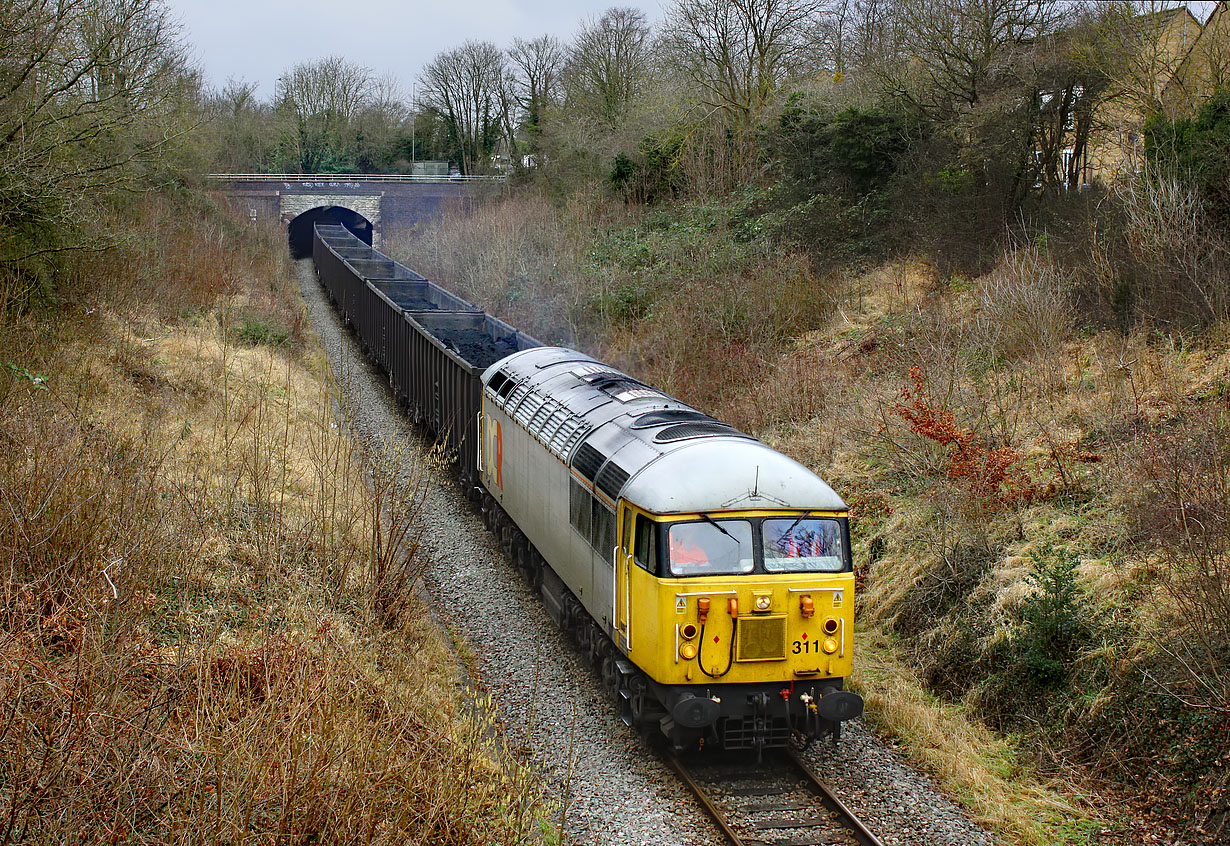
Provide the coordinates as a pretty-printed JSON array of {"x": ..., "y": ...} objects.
[{"x": 299, "y": 230}]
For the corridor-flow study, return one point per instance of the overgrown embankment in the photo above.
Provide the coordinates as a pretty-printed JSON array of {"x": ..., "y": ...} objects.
[
  {"x": 208, "y": 627},
  {"x": 1034, "y": 462}
]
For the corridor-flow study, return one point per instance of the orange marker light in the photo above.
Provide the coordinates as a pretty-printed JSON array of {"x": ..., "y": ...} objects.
[
  {"x": 702, "y": 607},
  {"x": 806, "y": 606},
  {"x": 732, "y": 606}
]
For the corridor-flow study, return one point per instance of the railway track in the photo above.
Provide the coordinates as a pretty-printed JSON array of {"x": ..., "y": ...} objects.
[{"x": 778, "y": 802}]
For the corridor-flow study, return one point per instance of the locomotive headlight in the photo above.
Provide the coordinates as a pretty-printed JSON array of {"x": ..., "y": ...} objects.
[
  {"x": 763, "y": 602},
  {"x": 830, "y": 645},
  {"x": 688, "y": 651}
]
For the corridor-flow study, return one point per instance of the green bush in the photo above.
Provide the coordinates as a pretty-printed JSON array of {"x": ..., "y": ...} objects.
[
  {"x": 1196, "y": 148},
  {"x": 258, "y": 331},
  {"x": 1056, "y": 624}
]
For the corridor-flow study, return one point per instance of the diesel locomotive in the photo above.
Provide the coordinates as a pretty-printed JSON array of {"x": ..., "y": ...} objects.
[{"x": 707, "y": 576}]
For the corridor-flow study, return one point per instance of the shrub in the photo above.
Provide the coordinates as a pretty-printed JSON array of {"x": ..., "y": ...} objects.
[
  {"x": 1195, "y": 149},
  {"x": 1056, "y": 621},
  {"x": 1182, "y": 510},
  {"x": 992, "y": 475},
  {"x": 259, "y": 331},
  {"x": 1025, "y": 306}
]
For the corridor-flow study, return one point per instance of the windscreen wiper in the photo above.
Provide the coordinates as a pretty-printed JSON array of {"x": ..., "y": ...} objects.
[
  {"x": 718, "y": 526},
  {"x": 802, "y": 517}
]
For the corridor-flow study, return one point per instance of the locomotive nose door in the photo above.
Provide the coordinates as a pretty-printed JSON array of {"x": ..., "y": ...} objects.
[{"x": 623, "y": 560}]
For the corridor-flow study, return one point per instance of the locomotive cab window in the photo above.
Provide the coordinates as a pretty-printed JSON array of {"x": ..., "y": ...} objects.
[
  {"x": 711, "y": 548},
  {"x": 646, "y": 553},
  {"x": 497, "y": 381},
  {"x": 803, "y": 545}
]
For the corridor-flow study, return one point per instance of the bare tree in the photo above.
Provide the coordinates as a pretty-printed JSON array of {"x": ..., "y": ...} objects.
[
  {"x": 872, "y": 37},
  {"x": 91, "y": 92},
  {"x": 239, "y": 125},
  {"x": 380, "y": 124},
  {"x": 320, "y": 101},
  {"x": 953, "y": 49},
  {"x": 536, "y": 67},
  {"x": 468, "y": 87},
  {"x": 1141, "y": 46},
  {"x": 608, "y": 65},
  {"x": 738, "y": 52}
]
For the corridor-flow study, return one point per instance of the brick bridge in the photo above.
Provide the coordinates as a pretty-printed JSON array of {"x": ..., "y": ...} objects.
[{"x": 369, "y": 205}]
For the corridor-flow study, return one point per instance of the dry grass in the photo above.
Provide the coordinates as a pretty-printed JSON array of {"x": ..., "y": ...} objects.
[
  {"x": 209, "y": 628},
  {"x": 979, "y": 768}
]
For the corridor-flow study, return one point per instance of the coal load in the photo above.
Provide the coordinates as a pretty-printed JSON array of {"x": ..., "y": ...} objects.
[
  {"x": 477, "y": 348},
  {"x": 412, "y": 295}
]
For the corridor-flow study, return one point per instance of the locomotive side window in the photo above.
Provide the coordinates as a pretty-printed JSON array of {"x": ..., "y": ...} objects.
[
  {"x": 579, "y": 508},
  {"x": 646, "y": 553},
  {"x": 714, "y": 547},
  {"x": 602, "y": 524},
  {"x": 803, "y": 545}
]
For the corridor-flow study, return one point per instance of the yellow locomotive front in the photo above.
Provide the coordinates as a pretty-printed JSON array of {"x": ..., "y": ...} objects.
[{"x": 741, "y": 620}]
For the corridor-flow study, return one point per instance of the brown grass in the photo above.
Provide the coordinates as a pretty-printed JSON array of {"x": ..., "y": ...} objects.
[{"x": 209, "y": 628}]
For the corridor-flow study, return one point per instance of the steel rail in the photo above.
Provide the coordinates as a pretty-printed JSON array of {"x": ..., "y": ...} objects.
[
  {"x": 829, "y": 799},
  {"x": 840, "y": 813},
  {"x": 710, "y": 808}
]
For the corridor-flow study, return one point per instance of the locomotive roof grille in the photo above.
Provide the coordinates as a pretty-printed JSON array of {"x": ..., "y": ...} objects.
[
  {"x": 674, "y": 415},
  {"x": 499, "y": 380},
  {"x": 567, "y": 436},
  {"x": 587, "y": 461},
  {"x": 516, "y": 397},
  {"x": 699, "y": 429},
  {"x": 611, "y": 479}
]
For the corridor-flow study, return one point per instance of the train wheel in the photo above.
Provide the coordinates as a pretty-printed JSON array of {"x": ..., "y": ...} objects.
[
  {"x": 537, "y": 562},
  {"x": 610, "y": 673}
]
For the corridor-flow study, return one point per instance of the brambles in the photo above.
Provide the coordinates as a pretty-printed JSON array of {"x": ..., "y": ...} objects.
[{"x": 990, "y": 474}]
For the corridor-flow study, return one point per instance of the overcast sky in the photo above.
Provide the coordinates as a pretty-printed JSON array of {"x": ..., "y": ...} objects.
[{"x": 257, "y": 40}]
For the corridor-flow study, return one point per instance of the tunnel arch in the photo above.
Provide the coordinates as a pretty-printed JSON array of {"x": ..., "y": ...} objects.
[{"x": 299, "y": 230}]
